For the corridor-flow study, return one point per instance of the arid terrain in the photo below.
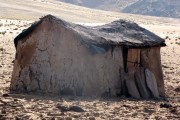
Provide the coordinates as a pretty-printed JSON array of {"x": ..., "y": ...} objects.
[{"x": 16, "y": 16}]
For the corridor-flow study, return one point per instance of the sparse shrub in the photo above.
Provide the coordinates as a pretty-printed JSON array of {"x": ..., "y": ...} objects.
[
  {"x": 3, "y": 33},
  {"x": 171, "y": 42},
  {"x": 11, "y": 24},
  {"x": 166, "y": 37},
  {"x": 1, "y": 24},
  {"x": 1, "y": 49},
  {"x": 178, "y": 43}
]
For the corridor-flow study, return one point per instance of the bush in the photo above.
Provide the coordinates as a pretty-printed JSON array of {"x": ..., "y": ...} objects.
[
  {"x": 166, "y": 37},
  {"x": 178, "y": 43},
  {"x": 1, "y": 49},
  {"x": 3, "y": 33}
]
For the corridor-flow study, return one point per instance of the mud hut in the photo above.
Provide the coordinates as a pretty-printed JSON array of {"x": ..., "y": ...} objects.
[{"x": 57, "y": 57}]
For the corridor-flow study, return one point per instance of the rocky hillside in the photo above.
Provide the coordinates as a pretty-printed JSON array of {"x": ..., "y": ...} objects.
[
  {"x": 161, "y": 8},
  {"x": 111, "y": 5}
]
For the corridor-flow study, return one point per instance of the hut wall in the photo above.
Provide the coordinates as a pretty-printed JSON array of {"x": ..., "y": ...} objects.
[
  {"x": 144, "y": 73},
  {"x": 53, "y": 59},
  {"x": 151, "y": 59},
  {"x": 133, "y": 58}
]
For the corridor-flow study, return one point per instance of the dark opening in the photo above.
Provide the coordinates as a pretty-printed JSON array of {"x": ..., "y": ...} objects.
[{"x": 125, "y": 57}]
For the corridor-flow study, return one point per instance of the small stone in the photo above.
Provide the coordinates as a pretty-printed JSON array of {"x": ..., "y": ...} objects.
[
  {"x": 3, "y": 112},
  {"x": 5, "y": 95},
  {"x": 87, "y": 114},
  {"x": 134, "y": 114},
  {"x": 174, "y": 111},
  {"x": 177, "y": 89},
  {"x": 1, "y": 116},
  {"x": 53, "y": 118},
  {"x": 96, "y": 114},
  {"x": 165, "y": 105},
  {"x": 148, "y": 110},
  {"x": 62, "y": 108},
  {"x": 68, "y": 118},
  {"x": 75, "y": 116},
  {"x": 76, "y": 109},
  {"x": 92, "y": 118},
  {"x": 15, "y": 100}
]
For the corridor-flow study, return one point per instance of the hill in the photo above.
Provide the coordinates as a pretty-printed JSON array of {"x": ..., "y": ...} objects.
[
  {"x": 161, "y": 8},
  {"x": 111, "y": 5},
  {"x": 30, "y": 10}
]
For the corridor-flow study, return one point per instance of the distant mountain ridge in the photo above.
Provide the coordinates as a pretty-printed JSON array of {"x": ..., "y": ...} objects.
[
  {"x": 160, "y": 8},
  {"x": 112, "y": 5}
]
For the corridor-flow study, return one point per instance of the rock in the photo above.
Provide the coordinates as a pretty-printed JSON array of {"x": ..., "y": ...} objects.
[
  {"x": 53, "y": 118},
  {"x": 75, "y": 116},
  {"x": 15, "y": 100},
  {"x": 148, "y": 110},
  {"x": 127, "y": 106},
  {"x": 1, "y": 116},
  {"x": 5, "y": 95},
  {"x": 174, "y": 111},
  {"x": 53, "y": 114},
  {"x": 116, "y": 118},
  {"x": 76, "y": 109},
  {"x": 96, "y": 114},
  {"x": 87, "y": 115},
  {"x": 131, "y": 85},
  {"x": 165, "y": 105},
  {"x": 3, "y": 111},
  {"x": 92, "y": 118},
  {"x": 71, "y": 108},
  {"x": 62, "y": 108},
  {"x": 141, "y": 83},
  {"x": 17, "y": 118},
  {"x": 151, "y": 83},
  {"x": 177, "y": 89},
  {"x": 134, "y": 114},
  {"x": 68, "y": 118}
]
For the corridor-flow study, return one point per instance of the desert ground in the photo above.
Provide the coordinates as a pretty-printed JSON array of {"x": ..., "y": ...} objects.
[{"x": 18, "y": 15}]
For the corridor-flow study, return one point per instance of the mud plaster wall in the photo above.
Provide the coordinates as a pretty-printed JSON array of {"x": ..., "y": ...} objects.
[
  {"x": 58, "y": 62},
  {"x": 151, "y": 59}
]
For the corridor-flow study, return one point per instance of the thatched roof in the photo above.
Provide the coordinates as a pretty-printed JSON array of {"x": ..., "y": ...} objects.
[{"x": 118, "y": 33}]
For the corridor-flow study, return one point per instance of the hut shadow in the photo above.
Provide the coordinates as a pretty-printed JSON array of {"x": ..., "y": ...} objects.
[{"x": 61, "y": 98}]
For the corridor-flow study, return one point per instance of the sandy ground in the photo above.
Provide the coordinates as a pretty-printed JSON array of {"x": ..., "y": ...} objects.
[
  {"x": 28, "y": 106},
  {"x": 39, "y": 107}
]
